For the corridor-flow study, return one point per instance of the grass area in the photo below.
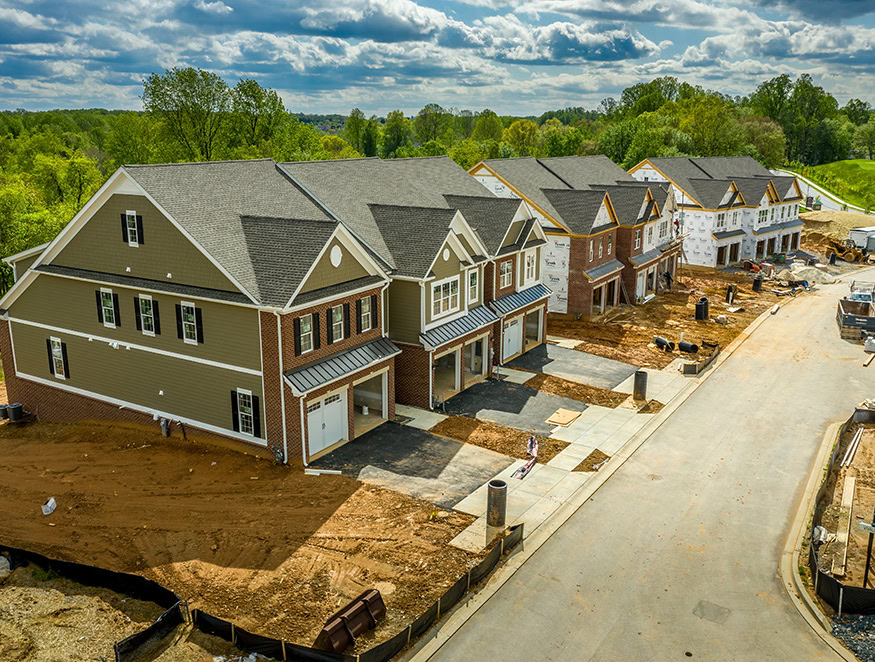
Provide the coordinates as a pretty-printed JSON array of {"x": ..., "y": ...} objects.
[{"x": 852, "y": 180}]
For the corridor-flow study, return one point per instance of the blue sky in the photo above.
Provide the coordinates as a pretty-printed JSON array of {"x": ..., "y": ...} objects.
[{"x": 513, "y": 56}]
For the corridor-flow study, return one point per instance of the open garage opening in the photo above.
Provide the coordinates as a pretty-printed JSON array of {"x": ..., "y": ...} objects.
[{"x": 370, "y": 406}]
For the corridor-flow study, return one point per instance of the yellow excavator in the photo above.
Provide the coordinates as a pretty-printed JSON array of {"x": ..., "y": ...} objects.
[{"x": 845, "y": 250}]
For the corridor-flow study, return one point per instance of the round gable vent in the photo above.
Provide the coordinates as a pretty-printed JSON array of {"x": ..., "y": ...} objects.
[
  {"x": 446, "y": 254},
  {"x": 336, "y": 256}
]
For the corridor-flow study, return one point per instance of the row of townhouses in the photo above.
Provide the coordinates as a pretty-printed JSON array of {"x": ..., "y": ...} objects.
[{"x": 291, "y": 305}]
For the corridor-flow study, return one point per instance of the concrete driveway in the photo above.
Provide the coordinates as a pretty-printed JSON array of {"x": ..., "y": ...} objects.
[
  {"x": 416, "y": 463},
  {"x": 676, "y": 556},
  {"x": 513, "y": 405},
  {"x": 574, "y": 365}
]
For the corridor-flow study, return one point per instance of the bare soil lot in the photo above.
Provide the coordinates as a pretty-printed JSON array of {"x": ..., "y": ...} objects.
[
  {"x": 263, "y": 545},
  {"x": 626, "y": 334},
  {"x": 499, "y": 438},
  {"x": 592, "y": 395}
]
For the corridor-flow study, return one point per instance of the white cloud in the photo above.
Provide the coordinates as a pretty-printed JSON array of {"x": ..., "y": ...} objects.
[{"x": 216, "y": 7}]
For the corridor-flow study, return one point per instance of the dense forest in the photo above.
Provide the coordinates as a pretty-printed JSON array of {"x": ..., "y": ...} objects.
[{"x": 52, "y": 162}]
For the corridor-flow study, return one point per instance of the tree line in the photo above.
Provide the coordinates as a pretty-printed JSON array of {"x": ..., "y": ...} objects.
[{"x": 52, "y": 162}]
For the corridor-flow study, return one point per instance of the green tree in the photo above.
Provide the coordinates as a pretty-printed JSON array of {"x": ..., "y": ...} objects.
[
  {"x": 864, "y": 138},
  {"x": 467, "y": 153},
  {"x": 772, "y": 99},
  {"x": 710, "y": 124},
  {"x": 370, "y": 137},
  {"x": 810, "y": 104},
  {"x": 767, "y": 138},
  {"x": 857, "y": 111},
  {"x": 522, "y": 136},
  {"x": 354, "y": 129},
  {"x": 488, "y": 126},
  {"x": 616, "y": 139},
  {"x": 464, "y": 124},
  {"x": 430, "y": 122},
  {"x": 336, "y": 147},
  {"x": 133, "y": 139},
  {"x": 193, "y": 106},
  {"x": 257, "y": 113},
  {"x": 397, "y": 132}
]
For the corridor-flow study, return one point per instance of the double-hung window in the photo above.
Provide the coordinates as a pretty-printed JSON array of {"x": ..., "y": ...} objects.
[
  {"x": 147, "y": 314},
  {"x": 336, "y": 323},
  {"x": 473, "y": 286},
  {"x": 131, "y": 225},
  {"x": 365, "y": 315},
  {"x": 591, "y": 249},
  {"x": 445, "y": 297},
  {"x": 58, "y": 360},
  {"x": 721, "y": 221},
  {"x": 189, "y": 323},
  {"x": 610, "y": 243},
  {"x": 601, "y": 247},
  {"x": 650, "y": 235},
  {"x": 505, "y": 273},
  {"x": 245, "y": 413},
  {"x": 306, "y": 336},
  {"x": 637, "y": 239},
  {"x": 531, "y": 266},
  {"x": 107, "y": 308},
  {"x": 663, "y": 229}
]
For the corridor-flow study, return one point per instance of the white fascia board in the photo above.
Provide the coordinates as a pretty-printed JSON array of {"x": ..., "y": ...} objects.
[{"x": 26, "y": 253}]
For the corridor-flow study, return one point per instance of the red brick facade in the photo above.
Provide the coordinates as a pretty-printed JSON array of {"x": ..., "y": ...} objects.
[{"x": 413, "y": 367}]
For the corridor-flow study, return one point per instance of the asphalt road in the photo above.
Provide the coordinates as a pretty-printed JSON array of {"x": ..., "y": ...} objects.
[{"x": 676, "y": 557}]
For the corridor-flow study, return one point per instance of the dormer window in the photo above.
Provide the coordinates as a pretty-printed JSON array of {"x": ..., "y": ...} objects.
[{"x": 132, "y": 228}]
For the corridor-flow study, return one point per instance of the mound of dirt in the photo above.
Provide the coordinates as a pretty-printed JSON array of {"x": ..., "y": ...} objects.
[{"x": 811, "y": 274}]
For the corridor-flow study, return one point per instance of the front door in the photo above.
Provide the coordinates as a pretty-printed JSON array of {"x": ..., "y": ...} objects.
[
  {"x": 513, "y": 339},
  {"x": 326, "y": 422},
  {"x": 639, "y": 292}
]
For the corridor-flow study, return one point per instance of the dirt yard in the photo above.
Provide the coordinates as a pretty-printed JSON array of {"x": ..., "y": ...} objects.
[
  {"x": 626, "y": 334},
  {"x": 592, "y": 395},
  {"x": 863, "y": 468},
  {"x": 496, "y": 437},
  {"x": 594, "y": 458},
  {"x": 263, "y": 545}
]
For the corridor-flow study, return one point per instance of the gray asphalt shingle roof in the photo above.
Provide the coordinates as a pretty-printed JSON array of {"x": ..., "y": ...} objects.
[
  {"x": 208, "y": 199},
  {"x": 577, "y": 209},
  {"x": 529, "y": 177},
  {"x": 282, "y": 251},
  {"x": 581, "y": 172},
  {"x": 412, "y": 235},
  {"x": 752, "y": 188},
  {"x": 348, "y": 186},
  {"x": 627, "y": 201},
  {"x": 490, "y": 217},
  {"x": 709, "y": 192}
]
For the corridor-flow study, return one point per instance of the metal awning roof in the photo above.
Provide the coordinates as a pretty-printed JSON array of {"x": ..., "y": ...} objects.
[
  {"x": 729, "y": 234},
  {"x": 516, "y": 300},
  {"x": 315, "y": 375},
  {"x": 476, "y": 318},
  {"x": 606, "y": 269},
  {"x": 791, "y": 224},
  {"x": 644, "y": 258},
  {"x": 768, "y": 229}
]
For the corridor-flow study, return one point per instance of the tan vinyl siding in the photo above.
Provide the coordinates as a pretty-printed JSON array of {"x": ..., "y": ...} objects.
[
  {"x": 512, "y": 234},
  {"x": 22, "y": 265},
  {"x": 404, "y": 310},
  {"x": 467, "y": 246},
  {"x": 191, "y": 390},
  {"x": 99, "y": 246},
  {"x": 230, "y": 332},
  {"x": 325, "y": 274},
  {"x": 446, "y": 268}
]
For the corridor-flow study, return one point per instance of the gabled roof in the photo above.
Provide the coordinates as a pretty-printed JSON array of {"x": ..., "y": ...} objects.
[
  {"x": 490, "y": 217},
  {"x": 627, "y": 201},
  {"x": 208, "y": 200},
  {"x": 282, "y": 251},
  {"x": 348, "y": 186},
  {"x": 578, "y": 209},
  {"x": 412, "y": 235},
  {"x": 527, "y": 175},
  {"x": 582, "y": 172},
  {"x": 752, "y": 189},
  {"x": 729, "y": 167},
  {"x": 785, "y": 186},
  {"x": 710, "y": 192}
]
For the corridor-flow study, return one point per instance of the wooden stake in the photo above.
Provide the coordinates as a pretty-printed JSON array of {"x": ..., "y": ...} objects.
[{"x": 869, "y": 360}]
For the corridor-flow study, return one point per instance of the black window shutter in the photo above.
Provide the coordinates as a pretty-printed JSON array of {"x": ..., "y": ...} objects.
[
  {"x": 99, "y": 306},
  {"x": 124, "y": 228},
  {"x": 66, "y": 363},
  {"x": 297, "y": 325},
  {"x": 317, "y": 341},
  {"x": 137, "y": 313},
  {"x": 256, "y": 416},
  {"x": 375, "y": 318},
  {"x": 199, "y": 322},
  {"x": 155, "y": 318},
  {"x": 118, "y": 318},
  {"x": 140, "y": 230},
  {"x": 51, "y": 357},
  {"x": 329, "y": 327},
  {"x": 235, "y": 419},
  {"x": 179, "y": 320},
  {"x": 346, "y": 320},
  {"x": 358, "y": 315}
]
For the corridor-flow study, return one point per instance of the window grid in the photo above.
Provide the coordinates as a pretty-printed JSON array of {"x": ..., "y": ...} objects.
[
  {"x": 506, "y": 274},
  {"x": 610, "y": 243},
  {"x": 131, "y": 222},
  {"x": 637, "y": 239},
  {"x": 337, "y": 323},
  {"x": 530, "y": 267},
  {"x": 473, "y": 290},
  {"x": 306, "y": 334},
  {"x": 445, "y": 297},
  {"x": 244, "y": 412},
  {"x": 108, "y": 307},
  {"x": 58, "y": 357},
  {"x": 189, "y": 324},
  {"x": 721, "y": 220},
  {"x": 147, "y": 317},
  {"x": 601, "y": 247},
  {"x": 365, "y": 321}
]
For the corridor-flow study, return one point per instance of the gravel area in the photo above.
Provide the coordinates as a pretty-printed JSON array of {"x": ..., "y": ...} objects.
[{"x": 858, "y": 634}]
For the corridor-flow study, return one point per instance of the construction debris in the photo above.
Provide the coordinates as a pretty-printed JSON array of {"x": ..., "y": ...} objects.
[
  {"x": 563, "y": 417},
  {"x": 840, "y": 560},
  {"x": 811, "y": 274}
]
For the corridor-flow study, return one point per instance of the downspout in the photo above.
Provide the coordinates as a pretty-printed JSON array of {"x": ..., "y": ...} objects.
[
  {"x": 279, "y": 341},
  {"x": 303, "y": 448},
  {"x": 385, "y": 316}
]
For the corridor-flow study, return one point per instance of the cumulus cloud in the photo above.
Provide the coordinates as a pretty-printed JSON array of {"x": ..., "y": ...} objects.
[{"x": 217, "y": 7}]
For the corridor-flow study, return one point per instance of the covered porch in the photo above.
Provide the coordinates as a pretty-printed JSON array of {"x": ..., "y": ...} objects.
[{"x": 605, "y": 286}]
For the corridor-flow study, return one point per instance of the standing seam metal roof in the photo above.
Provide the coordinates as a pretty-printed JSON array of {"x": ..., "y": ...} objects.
[
  {"x": 516, "y": 300},
  {"x": 475, "y": 319},
  {"x": 332, "y": 368}
]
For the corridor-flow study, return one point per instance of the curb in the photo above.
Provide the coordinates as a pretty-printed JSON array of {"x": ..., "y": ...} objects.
[
  {"x": 460, "y": 615},
  {"x": 789, "y": 566}
]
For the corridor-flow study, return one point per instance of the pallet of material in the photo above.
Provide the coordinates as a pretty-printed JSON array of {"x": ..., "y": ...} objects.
[
  {"x": 854, "y": 318},
  {"x": 840, "y": 560}
]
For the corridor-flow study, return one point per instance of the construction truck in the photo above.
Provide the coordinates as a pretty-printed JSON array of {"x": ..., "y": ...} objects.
[{"x": 845, "y": 250}]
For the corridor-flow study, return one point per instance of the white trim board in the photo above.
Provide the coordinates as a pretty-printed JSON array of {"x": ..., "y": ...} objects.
[
  {"x": 122, "y": 404},
  {"x": 144, "y": 348}
]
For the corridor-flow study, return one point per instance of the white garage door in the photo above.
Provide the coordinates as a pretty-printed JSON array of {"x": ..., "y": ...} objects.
[
  {"x": 326, "y": 422},
  {"x": 513, "y": 339}
]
